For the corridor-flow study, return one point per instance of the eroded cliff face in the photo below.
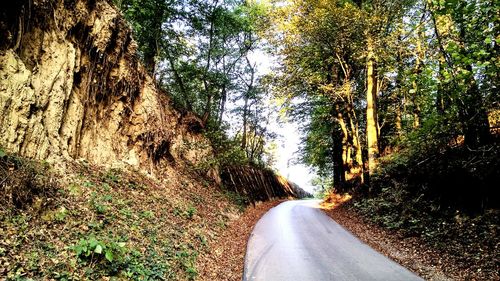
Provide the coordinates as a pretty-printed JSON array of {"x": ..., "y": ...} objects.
[{"x": 71, "y": 87}]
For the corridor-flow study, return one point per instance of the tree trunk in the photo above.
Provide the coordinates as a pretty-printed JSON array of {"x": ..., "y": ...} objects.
[
  {"x": 338, "y": 165},
  {"x": 246, "y": 109},
  {"x": 179, "y": 80},
  {"x": 441, "y": 103},
  {"x": 346, "y": 158},
  {"x": 206, "y": 84},
  {"x": 245, "y": 121},
  {"x": 371, "y": 109},
  {"x": 416, "y": 89},
  {"x": 353, "y": 122},
  {"x": 222, "y": 106},
  {"x": 398, "y": 97},
  {"x": 416, "y": 108},
  {"x": 477, "y": 130},
  {"x": 399, "y": 125},
  {"x": 477, "y": 127},
  {"x": 358, "y": 149},
  {"x": 208, "y": 110},
  {"x": 149, "y": 63}
]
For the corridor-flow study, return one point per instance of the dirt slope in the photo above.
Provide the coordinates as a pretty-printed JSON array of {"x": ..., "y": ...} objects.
[{"x": 100, "y": 176}]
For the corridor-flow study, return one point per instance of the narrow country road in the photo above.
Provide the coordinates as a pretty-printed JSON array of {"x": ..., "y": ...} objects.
[{"x": 296, "y": 241}]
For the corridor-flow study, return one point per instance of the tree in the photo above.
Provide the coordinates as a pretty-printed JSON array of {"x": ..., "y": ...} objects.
[
  {"x": 331, "y": 48},
  {"x": 149, "y": 20},
  {"x": 459, "y": 26},
  {"x": 198, "y": 51}
]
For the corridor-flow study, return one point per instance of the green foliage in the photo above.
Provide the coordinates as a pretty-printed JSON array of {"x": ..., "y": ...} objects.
[
  {"x": 58, "y": 215},
  {"x": 187, "y": 258},
  {"x": 99, "y": 203},
  {"x": 323, "y": 186},
  {"x": 436, "y": 133},
  {"x": 190, "y": 212},
  {"x": 187, "y": 213},
  {"x": 92, "y": 250},
  {"x": 147, "y": 214},
  {"x": 100, "y": 229},
  {"x": 151, "y": 267},
  {"x": 114, "y": 258},
  {"x": 436, "y": 69},
  {"x": 441, "y": 172},
  {"x": 228, "y": 151},
  {"x": 199, "y": 51},
  {"x": 318, "y": 142},
  {"x": 446, "y": 229},
  {"x": 240, "y": 200},
  {"x": 112, "y": 176},
  {"x": 88, "y": 184}
]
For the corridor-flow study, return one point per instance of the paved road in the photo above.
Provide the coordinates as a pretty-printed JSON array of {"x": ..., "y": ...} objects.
[{"x": 296, "y": 241}]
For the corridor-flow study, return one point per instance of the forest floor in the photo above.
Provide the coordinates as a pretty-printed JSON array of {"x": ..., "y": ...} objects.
[
  {"x": 90, "y": 222},
  {"x": 226, "y": 259},
  {"x": 416, "y": 253}
]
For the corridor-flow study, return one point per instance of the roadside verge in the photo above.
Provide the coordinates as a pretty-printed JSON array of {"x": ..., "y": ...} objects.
[{"x": 225, "y": 259}]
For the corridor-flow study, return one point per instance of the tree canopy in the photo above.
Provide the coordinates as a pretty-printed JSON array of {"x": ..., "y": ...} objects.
[
  {"x": 377, "y": 76},
  {"x": 364, "y": 78}
]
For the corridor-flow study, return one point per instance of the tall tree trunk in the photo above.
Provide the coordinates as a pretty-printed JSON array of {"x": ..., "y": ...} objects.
[
  {"x": 399, "y": 125},
  {"x": 416, "y": 106},
  {"x": 152, "y": 44},
  {"x": 441, "y": 101},
  {"x": 246, "y": 109},
  {"x": 338, "y": 165},
  {"x": 416, "y": 89},
  {"x": 371, "y": 109},
  {"x": 222, "y": 106},
  {"x": 477, "y": 130},
  {"x": 353, "y": 138},
  {"x": 150, "y": 63},
  {"x": 245, "y": 121},
  {"x": 357, "y": 146},
  {"x": 346, "y": 157},
  {"x": 477, "y": 127},
  {"x": 206, "y": 84},
  {"x": 208, "y": 110},
  {"x": 398, "y": 96},
  {"x": 179, "y": 80}
]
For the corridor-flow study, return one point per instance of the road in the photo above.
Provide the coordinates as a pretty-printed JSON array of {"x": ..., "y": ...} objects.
[{"x": 296, "y": 241}]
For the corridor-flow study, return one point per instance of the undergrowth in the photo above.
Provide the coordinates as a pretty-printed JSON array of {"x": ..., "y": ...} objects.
[
  {"x": 90, "y": 223},
  {"x": 25, "y": 184},
  {"x": 443, "y": 196}
]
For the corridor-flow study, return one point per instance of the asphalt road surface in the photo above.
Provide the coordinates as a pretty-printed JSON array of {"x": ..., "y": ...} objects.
[{"x": 296, "y": 241}]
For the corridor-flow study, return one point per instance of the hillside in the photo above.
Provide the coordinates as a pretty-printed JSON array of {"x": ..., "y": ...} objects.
[
  {"x": 92, "y": 222},
  {"x": 100, "y": 175}
]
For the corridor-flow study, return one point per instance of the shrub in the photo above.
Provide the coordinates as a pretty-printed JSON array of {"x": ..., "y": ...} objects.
[{"x": 24, "y": 182}]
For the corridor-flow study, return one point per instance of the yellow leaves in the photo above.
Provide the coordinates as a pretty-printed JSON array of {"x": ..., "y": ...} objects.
[
  {"x": 328, "y": 88},
  {"x": 332, "y": 200},
  {"x": 444, "y": 24}
]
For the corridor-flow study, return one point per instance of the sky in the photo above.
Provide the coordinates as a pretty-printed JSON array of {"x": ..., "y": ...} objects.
[
  {"x": 288, "y": 143},
  {"x": 288, "y": 136}
]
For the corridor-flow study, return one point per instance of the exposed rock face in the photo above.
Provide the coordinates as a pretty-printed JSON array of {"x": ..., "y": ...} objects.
[{"x": 71, "y": 87}]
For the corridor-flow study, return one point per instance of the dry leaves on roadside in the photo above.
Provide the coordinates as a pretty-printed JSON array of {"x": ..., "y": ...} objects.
[
  {"x": 411, "y": 252},
  {"x": 226, "y": 258}
]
